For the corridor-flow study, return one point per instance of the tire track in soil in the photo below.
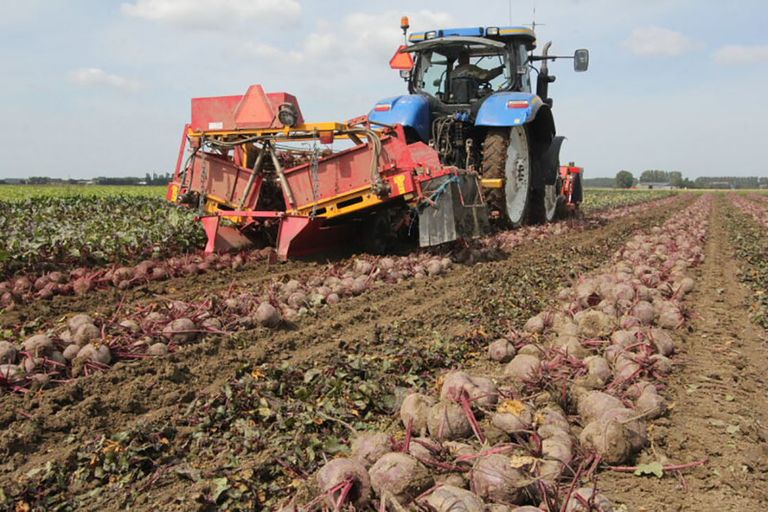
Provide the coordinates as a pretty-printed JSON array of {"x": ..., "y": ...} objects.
[
  {"x": 490, "y": 295},
  {"x": 720, "y": 384}
]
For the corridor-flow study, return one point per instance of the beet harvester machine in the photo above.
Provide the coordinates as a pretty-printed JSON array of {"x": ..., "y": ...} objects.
[{"x": 463, "y": 151}]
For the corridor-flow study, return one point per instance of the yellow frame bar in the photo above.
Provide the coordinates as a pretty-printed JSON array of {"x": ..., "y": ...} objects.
[
  {"x": 338, "y": 130},
  {"x": 492, "y": 183}
]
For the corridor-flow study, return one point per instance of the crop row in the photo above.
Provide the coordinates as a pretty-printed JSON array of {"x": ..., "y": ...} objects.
[
  {"x": 51, "y": 233},
  {"x": 87, "y": 344},
  {"x": 601, "y": 200},
  {"x": 507, "y": 439},
  {"x": 748, "y": 229},
  {"x": 25, "y": 287},
  {"x": 24, "y": 192}
]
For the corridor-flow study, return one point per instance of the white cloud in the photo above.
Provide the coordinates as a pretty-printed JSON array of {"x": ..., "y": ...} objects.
[
  {"x": 213, "y": 14},
  {"x": 272, "y": 53},
  {"x": 738, "y": 54},
  {"x": 659, "y": 42},
  {"x": 355, "y": 37},
  {"x": 99, "y": 77}
]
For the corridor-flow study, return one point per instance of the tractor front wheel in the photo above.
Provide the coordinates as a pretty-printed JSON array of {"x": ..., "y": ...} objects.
[{"x": 507, "y": 155}]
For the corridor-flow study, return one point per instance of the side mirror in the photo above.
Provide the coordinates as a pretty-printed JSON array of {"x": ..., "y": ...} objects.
[
  {"x": 581, "y": 60},
  {"x": 401, "y": 60}
]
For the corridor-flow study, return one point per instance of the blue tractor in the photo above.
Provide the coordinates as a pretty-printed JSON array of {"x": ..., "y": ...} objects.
[{"x": 470, "y": 97}]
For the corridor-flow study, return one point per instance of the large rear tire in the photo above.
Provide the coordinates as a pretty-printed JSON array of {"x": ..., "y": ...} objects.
[{"x": 507, "y": 155}]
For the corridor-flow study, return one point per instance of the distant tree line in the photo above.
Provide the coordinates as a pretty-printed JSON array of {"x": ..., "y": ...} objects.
[
  {"x": 659, "y": 178},
  {"x": 732, "y": 182},
  {"x": 149, "y": 179}
]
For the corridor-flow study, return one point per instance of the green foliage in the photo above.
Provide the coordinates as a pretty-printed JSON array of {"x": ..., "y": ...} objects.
[
  {"x": 605, "y": 199},
  {"x": 751, "y": 245},
  {"x": 44, "y": 233},
  {"x": 656, "y": 176},
  {"x": 22, "y": 192},
  {"x": 624, "y": 179}
]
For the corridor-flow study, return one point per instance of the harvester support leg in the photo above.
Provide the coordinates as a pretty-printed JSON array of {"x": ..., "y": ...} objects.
[
  {"x": 211, "y": 227},
  {"x": 290, "y": 228}
]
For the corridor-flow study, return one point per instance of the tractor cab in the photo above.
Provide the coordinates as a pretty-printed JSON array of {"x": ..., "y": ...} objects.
[{"x": 465, "y": 66}]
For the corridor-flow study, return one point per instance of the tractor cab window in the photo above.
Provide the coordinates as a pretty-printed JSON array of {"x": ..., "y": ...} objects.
[
  {"x": 458, "y": 74},
  {"x": 434, "y": 68}
]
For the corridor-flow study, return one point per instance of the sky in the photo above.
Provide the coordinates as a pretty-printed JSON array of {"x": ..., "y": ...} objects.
[{"x": 102, "y": 88}]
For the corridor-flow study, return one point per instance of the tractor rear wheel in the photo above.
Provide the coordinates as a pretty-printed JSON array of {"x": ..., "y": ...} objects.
[{"x": 507, "y": 155}]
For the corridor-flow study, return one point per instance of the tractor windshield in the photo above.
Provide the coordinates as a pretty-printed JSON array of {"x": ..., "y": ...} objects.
[{"x": 455, "y": 72}]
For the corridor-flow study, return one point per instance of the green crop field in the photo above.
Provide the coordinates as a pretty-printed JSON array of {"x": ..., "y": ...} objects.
[{"x": 21, "y": 192}]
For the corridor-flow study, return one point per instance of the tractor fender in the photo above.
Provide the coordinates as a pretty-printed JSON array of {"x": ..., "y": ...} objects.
[
  {"x": 550, "y": 160},
  {"x": 410, "y": 110},
  {"x": 509, "y": 109}
]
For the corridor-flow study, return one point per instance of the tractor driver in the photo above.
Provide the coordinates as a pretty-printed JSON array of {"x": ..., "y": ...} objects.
[{"x": 466, "y": 70}]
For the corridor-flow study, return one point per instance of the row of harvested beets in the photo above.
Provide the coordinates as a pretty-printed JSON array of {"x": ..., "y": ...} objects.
[{"x": 508, "y": 443}]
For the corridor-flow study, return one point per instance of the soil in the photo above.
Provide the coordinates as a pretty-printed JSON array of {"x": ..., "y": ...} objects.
[
  {"x": 476, "y": 302},
  {"x": 720, "y": 401}
]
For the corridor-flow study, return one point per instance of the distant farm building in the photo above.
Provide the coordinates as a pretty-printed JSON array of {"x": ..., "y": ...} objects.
[{"x": 648, "y": 185}]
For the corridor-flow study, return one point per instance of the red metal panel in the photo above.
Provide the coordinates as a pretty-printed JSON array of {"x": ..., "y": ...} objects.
[
  {"x": 224, "y": 179},
  {"x": 302, "y": 236},
  {"x": 255, "y": 109},
  {"x": 338, "y": 174},
  {"x": 216, "y": 113},
  {"x": 350, "y": 170}
]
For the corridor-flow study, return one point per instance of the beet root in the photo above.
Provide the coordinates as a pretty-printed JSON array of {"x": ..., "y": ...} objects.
[
  {"x": 267, "y": 315},
  {"x": 479, "y": 390},
  {"x": 501, "y": 351},
  {"x": 650, "y": 403},
  {"x": 448, "y": 421},
  {"x": 39, "y": 344},
  {"x": 181, "y": 330},
  {"x": 415, "y": 409},
  {"x": 345, "y": 471},
  {"x": 448, "y": 498},
  {"x": 523, "y": 367},
  {"x": 617, "y": 435},
  {"x": 493, "y": 478},
  {"x": 512, "y": 416},
  {"x": 401, "y": 476},
  {"x": 368, "y": 447},
  {"x": 596, "y": 500},
  {"x": 594, "y": 404}
]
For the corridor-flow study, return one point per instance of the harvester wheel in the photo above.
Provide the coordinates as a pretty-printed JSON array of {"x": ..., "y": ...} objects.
[
  {"x": 377, "y": 235},
  {"x": 507, "y": 154}
]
